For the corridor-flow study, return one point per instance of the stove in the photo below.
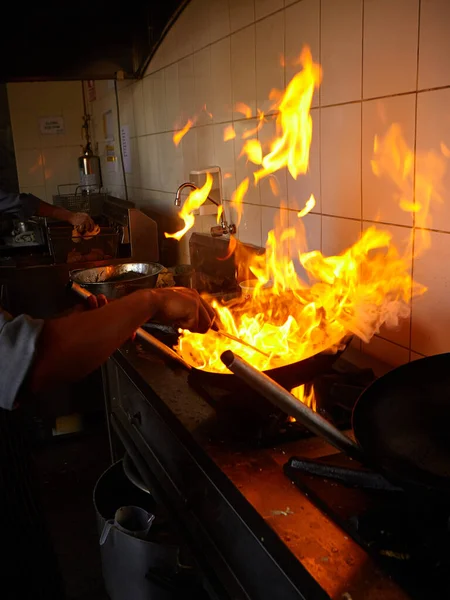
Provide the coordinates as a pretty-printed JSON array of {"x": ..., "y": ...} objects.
[
  {"x": 408, "y": 537},
  {"x": 258, "y": 526}
]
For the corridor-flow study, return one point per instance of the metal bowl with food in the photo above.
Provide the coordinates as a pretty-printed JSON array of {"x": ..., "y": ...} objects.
[{"x": 115, "y": 281}]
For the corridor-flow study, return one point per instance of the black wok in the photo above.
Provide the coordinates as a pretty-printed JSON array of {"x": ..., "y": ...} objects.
[
  {"x": 400, "y": 422},
  {"x": 289, "y": 376}
]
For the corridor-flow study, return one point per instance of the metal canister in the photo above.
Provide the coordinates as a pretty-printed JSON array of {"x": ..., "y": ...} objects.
[{"x": 90, "y": 171}]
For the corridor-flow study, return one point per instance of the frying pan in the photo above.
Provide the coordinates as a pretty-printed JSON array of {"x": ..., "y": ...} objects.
[
  {"x": 400, "y": 422},
  {"x": 289, "y": 376}
]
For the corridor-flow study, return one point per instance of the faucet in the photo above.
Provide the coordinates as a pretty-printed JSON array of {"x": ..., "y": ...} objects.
[{"x": 217, "y": 230}]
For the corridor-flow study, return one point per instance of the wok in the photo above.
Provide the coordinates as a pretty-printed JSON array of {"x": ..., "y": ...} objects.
[
  {"x": 289, "y": 376},
  {"x": 400, "y": 422}
]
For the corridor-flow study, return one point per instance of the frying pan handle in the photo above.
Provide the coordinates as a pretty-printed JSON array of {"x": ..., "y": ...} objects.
[
  {"x": 141, "y": 333},
  {"x": 280, "y": 397}
]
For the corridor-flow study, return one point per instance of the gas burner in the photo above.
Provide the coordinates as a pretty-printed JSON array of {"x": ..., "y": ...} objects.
[{"x": 408, "y": 538}]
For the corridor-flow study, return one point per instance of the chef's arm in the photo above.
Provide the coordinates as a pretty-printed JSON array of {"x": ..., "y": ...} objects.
[
  {"x": 71, "y": 347},
  {"x": 24, "y": 206},
  {"x": 54, "y": 212}
]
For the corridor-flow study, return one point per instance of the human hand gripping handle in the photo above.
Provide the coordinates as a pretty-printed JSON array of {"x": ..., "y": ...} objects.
[{"x": 179, "y": 306}]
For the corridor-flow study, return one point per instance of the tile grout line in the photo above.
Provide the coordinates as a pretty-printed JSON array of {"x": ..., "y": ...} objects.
[
  {"x": 320, "y": 130},
  {"x": 413, "y": 233},
  {"x": 362, "y": 118}
]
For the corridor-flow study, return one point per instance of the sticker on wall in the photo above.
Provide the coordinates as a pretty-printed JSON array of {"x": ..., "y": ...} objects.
[
  {"x": 111, "y": 158},
  {"x": 108, "y": 126},
  {"x": 126, "y": 150},
  {"x": 51, "y": 125}
]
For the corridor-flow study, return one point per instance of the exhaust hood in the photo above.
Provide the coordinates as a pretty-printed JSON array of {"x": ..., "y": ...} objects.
[{"x": 82, "y": 40}]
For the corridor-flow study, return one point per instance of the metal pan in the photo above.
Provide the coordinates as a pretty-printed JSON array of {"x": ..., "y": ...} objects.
[
  {"x": 400, "y": 422},
  {"x": 289, "y": 376}
]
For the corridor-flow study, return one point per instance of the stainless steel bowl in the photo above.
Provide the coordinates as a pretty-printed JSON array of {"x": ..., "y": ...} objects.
[{"x": 113, "y": 280}]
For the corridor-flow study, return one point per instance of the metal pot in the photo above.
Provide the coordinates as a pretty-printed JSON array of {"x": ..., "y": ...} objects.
[{"x": 115, "y": 281}]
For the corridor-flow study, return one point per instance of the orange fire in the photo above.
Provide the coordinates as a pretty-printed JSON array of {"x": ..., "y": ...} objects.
[
  {"x": 195, "y": 199},
  {"x": 229, "y": 133},
  {"x": 179, "y": 135},
  {"x": 237, "y": 199},
  {"x": 305, "y": 393},
  {"x": 417, "y": 187},
  {"x": 294, "y": 124},
  {"x": 289, "y": 318}
]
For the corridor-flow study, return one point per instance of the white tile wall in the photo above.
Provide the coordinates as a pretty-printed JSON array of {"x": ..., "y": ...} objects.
[
  {"x": 434, "y": 44},
  {"x": 219, "y": 19},
  {"x": 250, "y": 226},
  {"x": 378, "y": 62},
  {"x": 269, "y": 54},
  {"x": 220, "y": 83},
  {"x": 172, "y": 91},
  {"x": 340, "y": 160},
  {"x": 341, "y": 50},
  {"x": 302, "y": 29},
  {"x": 431, "y": 316},
  {"x": 339, "y": 234},
  {"x": 433, "y": 128},
  {"x": 380, "y": 195},
  {"x": 243, "y": 68},
  {"x": 391, "y": 30},
  {"x": 203, "y": 87},
  {"x": 242, "y": 13},
  {"x": 266, "y": 7}
]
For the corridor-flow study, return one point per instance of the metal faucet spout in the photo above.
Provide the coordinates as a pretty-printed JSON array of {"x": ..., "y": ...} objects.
[{"x": 223, "y": 228}]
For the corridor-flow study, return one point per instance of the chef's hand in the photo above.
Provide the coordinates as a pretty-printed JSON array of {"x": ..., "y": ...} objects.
[
  {"x": 182, "y": 307},
  {"x": 90, "y": 303},
  {"x": 96, "y": 301},
  {"x": 82, "y": 222}
]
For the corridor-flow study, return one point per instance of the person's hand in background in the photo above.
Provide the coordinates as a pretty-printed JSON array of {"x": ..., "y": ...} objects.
[{"x": 82, "y": 222}]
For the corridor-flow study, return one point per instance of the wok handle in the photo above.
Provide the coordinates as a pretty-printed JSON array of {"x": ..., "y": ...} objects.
[
  {"x": 141, "y": 333},
  {"x": 280, "y": 397}
]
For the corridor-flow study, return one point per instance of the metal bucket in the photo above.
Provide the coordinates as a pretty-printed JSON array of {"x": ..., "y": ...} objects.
[
  {"x": 127, "y": 561},
  {"x": 115, "y": 281}
]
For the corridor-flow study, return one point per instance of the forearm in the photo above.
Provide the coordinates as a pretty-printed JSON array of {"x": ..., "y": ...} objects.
[
  {"x": 71, "y": 347},
  {"x": 54, "y": 212}
]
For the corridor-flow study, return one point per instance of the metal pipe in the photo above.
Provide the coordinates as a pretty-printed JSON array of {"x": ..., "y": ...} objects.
[
  {"x": 141, "y": 333},
  {"x": 223, "y": 220},
  {"x": 280, "y": 397}
]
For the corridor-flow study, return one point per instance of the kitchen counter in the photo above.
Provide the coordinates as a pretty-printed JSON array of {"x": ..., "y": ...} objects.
[{"x": 339, "y": 565}]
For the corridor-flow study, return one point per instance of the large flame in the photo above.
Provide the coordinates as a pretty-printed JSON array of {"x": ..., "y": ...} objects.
[
  {"x": 291, "y": 317},
  {"x": 195, "y": 199},
  {"x": 294, "y": 124}
]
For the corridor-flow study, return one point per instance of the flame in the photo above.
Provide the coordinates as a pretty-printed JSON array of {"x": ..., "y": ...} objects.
[
  {"x": 294, "y": 123},
  {"x": 310, "y": 204},
  {"x": 354, "y": 293},
  {"x": 287, "y": 318},
  {"x": 219, "y": 213},
  {"x": 418, "y": 179},
  {"x": 237, "y": 199},
  {"x": 229, "y": 133},
  {"x": 195, "y": 199},
  {"x": 179, "y": 135},
  {"x": 261, "y": 120},
  {"x": 244, "y": 109},
  {"x": 252, "y": 149},
  {"x": 305, "y": 393}
]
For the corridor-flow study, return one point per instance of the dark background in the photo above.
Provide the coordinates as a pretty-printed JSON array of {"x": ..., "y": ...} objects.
[{"x": 81, "y": 40}]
